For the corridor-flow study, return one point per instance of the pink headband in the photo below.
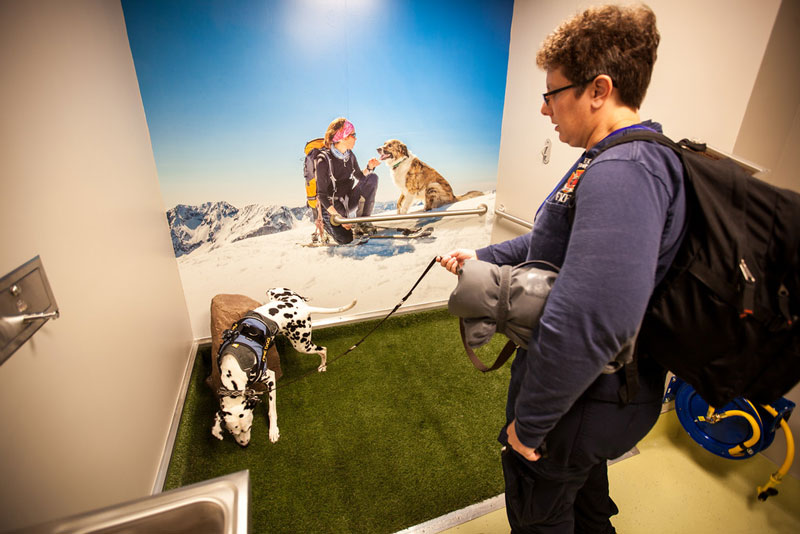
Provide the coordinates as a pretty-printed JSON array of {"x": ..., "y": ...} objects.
[{"x": 346, "y": 129}]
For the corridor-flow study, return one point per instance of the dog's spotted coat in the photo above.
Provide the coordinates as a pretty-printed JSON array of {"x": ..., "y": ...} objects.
[{"x": 293, "y": 317}]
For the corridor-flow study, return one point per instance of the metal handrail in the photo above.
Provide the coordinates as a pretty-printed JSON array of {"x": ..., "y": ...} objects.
[
  {"x": 503, "y": 214},
  {"x": 480, "y": 210}
]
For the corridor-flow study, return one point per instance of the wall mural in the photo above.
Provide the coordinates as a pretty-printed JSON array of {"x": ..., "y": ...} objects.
[{"x": 233, "y": 91}]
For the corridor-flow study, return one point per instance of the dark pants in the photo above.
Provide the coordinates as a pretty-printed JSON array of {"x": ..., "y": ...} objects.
[
  {"x": 360, "y": 199},
  {"x": 567, "y": 490}
]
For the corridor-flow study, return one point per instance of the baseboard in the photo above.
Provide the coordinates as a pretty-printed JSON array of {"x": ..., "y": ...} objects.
[
  {"x": 453, "y": 519},
  {"x": 166, "y": 455}
]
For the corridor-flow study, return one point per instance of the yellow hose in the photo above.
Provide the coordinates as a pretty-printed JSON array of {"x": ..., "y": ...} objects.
[
  {"x": 738, "y": 450},
  {"x": 775, "y": 479}
]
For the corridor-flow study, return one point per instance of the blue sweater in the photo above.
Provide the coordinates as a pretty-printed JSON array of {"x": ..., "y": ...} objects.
[{"x": 629, "y": 221}]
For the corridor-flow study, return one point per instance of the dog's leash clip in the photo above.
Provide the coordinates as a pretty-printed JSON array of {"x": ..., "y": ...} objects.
[{"x": 228, "y": 334}]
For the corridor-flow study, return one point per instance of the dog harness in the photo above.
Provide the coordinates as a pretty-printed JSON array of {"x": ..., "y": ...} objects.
[{"x": 248, "y": 341}]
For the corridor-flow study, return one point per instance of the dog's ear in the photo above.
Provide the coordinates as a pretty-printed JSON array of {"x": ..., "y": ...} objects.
[
  {"x": 398, "y": 148},
  {"x": 216, "y": 430}
]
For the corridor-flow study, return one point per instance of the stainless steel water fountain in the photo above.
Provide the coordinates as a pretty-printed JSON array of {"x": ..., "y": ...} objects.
[{"x": 215, "y": 506}]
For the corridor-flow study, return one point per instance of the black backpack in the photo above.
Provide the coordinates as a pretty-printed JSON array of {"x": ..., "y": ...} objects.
[{"x": 725, "y": 317}]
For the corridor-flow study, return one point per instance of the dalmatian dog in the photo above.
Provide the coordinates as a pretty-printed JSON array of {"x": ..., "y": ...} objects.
[{"x": 242, "y": 361}]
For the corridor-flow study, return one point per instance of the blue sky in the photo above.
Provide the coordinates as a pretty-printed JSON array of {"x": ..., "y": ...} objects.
[{"x": 232, "y": 90}]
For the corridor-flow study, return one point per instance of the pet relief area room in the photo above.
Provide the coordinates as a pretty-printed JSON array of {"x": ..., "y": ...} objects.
[{"x": 153, "y": 191}]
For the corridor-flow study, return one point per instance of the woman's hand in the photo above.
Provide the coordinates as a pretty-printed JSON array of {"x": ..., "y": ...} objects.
[
  {"x": 332, "y": 211},
  {"x": 526, "y": 452},
  {"x": 372, "y": 165},
  {"x": 454, "y": 260}
]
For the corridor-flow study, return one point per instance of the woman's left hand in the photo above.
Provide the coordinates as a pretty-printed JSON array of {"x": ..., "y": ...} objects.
[
  {"x": 373, "y": 163},
  {"x": 526, "y": 452}
]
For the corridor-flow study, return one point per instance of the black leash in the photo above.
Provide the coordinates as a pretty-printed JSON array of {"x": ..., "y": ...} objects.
[{"x": 351, "y": 349}]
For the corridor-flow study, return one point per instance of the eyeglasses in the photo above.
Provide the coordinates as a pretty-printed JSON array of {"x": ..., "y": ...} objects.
[{"x": 548, "y": 94}]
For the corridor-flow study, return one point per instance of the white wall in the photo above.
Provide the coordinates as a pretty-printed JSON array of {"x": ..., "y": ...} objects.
[
  {"x": 86, "y": 404},
  {"x": 523, "y": 181},
  {"x": 738, "y": 94},
  {"x": 771, "y": 124},
  {"x": 700, "y": 88}
]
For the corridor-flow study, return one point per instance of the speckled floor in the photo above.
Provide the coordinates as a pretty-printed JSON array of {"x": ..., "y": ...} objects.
[{"x": 675, "y": 486}]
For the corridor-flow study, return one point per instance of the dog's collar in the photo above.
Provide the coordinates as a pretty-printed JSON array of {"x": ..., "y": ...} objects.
[{"x": 398, "y": 163}]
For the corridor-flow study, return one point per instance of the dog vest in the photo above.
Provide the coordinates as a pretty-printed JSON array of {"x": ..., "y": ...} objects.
[{"x": 248, "y": 341}]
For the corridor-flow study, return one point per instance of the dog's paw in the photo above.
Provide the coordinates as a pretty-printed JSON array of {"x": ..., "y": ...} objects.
[
  {"x": 216, "y": 430},
  {"x": 322, "y": 368},
  {"x": 274, "y": 434}
]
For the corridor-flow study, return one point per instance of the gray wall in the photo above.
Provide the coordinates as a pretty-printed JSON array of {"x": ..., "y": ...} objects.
[
  {"x": 770, "y": 136},
  {"x": 86, "y": 404}
]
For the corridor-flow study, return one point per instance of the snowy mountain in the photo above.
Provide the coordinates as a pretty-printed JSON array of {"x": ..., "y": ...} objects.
[{"x": 213, "y": 224}]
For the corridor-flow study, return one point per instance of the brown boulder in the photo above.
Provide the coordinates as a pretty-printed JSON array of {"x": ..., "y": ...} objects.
[{"x": 226, "y": 310}]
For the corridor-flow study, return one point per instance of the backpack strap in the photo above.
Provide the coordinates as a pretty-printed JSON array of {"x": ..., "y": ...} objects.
[
  {"x": 502, "y": 358},
  {"x": 627, "y": 392},
  {"x": 502, "y": 300},
  {"x": 501, "y": 315},
  {"x": 324, "y": 153},
  {"x": 685, "y": 149}
]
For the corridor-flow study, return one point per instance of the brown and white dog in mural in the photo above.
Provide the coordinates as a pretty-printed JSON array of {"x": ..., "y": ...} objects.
[{"x": 416, "y": 179}]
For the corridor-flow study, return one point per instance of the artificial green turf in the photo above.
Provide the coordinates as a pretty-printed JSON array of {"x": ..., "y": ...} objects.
[{"x": 401, "y": 430}]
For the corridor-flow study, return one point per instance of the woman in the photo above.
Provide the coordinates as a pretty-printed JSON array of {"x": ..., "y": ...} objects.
[
  {"x": 342, "y": 187},
  {"x": 565, "y": 418}
]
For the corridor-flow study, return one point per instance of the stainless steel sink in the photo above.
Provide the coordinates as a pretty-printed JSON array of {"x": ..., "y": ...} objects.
[{"x": 215, "y": 506}]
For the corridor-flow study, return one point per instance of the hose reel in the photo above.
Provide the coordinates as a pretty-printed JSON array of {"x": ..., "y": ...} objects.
[{"x": 737, "y": 431}]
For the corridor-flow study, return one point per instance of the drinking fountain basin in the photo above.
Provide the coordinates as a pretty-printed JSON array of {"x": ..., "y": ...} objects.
[{"x": 215, "y": 506}]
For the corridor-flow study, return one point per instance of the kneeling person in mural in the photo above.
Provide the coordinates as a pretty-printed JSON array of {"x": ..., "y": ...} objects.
[
  {"x": 564, "y": 416},
  {"x": 342, "y": 187}
]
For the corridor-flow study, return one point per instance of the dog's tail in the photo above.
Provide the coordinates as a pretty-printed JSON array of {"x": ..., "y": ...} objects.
[
  {"x": 340, "y": 309},
  {"x": 471, "y": 194}
]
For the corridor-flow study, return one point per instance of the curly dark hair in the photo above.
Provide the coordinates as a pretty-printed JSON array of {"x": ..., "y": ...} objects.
[{"x": 619, "y": 41}]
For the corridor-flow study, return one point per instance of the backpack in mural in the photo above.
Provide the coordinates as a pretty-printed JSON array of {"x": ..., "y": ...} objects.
[{"x": 312, "y": 150}]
